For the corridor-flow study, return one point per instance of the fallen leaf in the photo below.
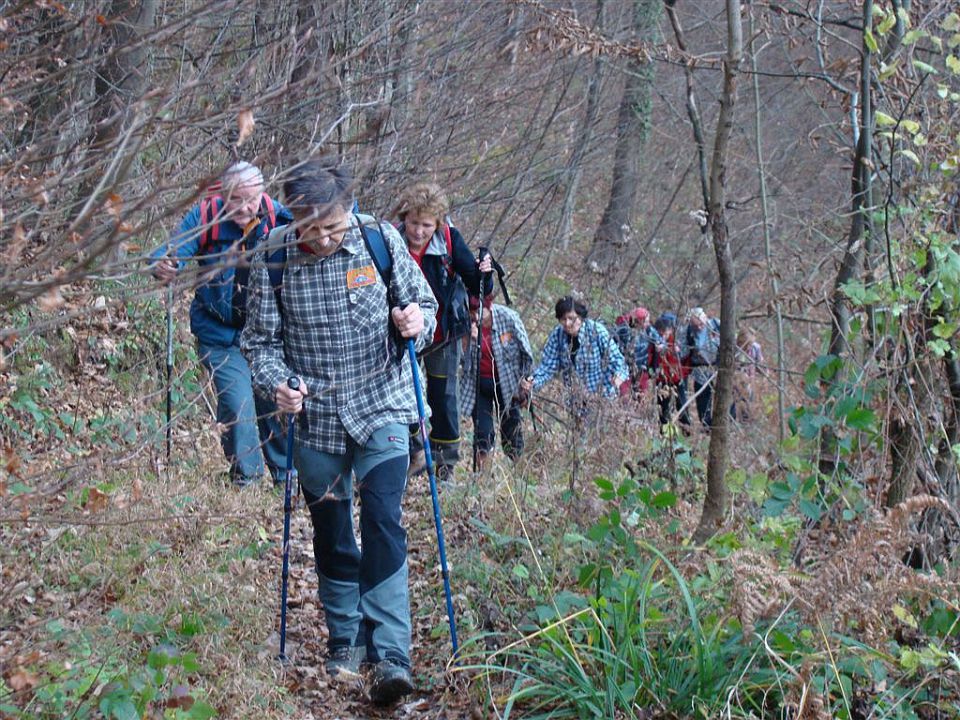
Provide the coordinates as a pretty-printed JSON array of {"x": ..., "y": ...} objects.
[
  {"x": 180, "y": 698},
  {"x": 113, "y": 204},
  {"x": 22, "y": 680},
  {"x": 11, "y": 460},
  {"x": 96, "y": 500},
  {"x": 50, "y": 300},
  {"x": 246, "y": 123}
]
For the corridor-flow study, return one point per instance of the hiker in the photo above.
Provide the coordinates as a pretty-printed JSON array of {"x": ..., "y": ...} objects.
[
  {"x": 505, "y": 358},
  {"x": 221, "y": 233},
  {"x": 647, "y": 338},
  {"x": 625, "y": 338},
  {"x": 668, "y": 370},
  {"x": 749, "y": 362},
  {"x": 338, "y": 293},
  {"x": 583, "y": 353},
  {"x": 452, "y": 272},
  {"x": 701, "y": 347}
]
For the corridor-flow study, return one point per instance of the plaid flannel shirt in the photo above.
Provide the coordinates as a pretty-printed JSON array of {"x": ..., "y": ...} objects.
[
  {"x": 334, "y": 332},
  {"x": 512, "y": 358},
  {"x": 597, "y": 362}
]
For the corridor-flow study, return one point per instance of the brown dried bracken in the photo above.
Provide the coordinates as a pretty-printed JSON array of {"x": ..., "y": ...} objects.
[{"x": 855, "y": 582}]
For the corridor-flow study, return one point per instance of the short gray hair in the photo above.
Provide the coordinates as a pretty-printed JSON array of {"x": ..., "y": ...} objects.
[
  {"x": 698, "y": 313},
  {"x": 241, "y": 174}
]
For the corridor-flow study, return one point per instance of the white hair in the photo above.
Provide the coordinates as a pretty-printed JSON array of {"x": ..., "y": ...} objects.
[
  {"x": 241, "y": 174},
  {"x": 697, "y": 313}
]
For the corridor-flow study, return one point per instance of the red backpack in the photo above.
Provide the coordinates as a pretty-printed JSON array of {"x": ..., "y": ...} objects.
[
  {"x": 670, "y": 369},
  {"x": 212, "y": 205}
]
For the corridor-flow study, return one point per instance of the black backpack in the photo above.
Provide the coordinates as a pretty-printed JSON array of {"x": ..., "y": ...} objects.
[{"x": 455, "y": 320}]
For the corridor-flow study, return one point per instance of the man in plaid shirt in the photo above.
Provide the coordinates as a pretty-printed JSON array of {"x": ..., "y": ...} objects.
[
  {"x": 328, "y": 323},
  {"x": 505, "y": 358}
]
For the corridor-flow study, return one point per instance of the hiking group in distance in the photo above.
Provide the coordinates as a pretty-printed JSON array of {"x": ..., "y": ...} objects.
[{"x": 304, "y": 309}]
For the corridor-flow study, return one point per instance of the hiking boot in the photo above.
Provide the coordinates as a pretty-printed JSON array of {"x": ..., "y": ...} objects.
[
  {"x": 343, "y": 663},
  {"x": 389, "y": 682},
  {"x": 244, "y": 481},
  {"x": 418, "y": 462}
]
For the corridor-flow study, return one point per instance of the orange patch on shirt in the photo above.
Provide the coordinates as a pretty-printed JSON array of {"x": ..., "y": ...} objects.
[
  {"x": 505, "y": 338},
  {"x": 358, "y": 277}
]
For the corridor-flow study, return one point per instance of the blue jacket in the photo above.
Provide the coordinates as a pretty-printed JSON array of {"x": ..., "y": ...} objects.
[
  {"x": 218, "y": 310},
  {"x": 701, "y": 350}
]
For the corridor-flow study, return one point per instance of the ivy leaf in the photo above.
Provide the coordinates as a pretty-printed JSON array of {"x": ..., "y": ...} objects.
[
  {"x": 944, "y": 330},
  {"x": 924, "y": 67},
  {"x": 904, "y": 616},
  {"x": 883, "y": 120},
  {"x": 953, "y": 62},
  {"x": 939, "y": 347},
  {"x": 911, "y": 37},
  {"x": 887, "y": 71},
  {"x": 811, "y": 509},
  {"x": 911, "y": 126},
  {"x": 870, "y": 41},
  {"x": 861, "y": 419},
  {"x": 911, "y": 155},
  {"x": 885, "y": 25}
]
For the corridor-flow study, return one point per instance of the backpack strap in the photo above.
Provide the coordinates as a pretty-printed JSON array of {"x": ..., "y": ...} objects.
[
  {"x": 267, "y": 204},
  {"x": 447, "y": 260},
  {"x": 383, "y": 262},
  {"x": 210, "y": 208},
  {"x": 377, "y": 247},
  {"x": 276, "y": 265}
]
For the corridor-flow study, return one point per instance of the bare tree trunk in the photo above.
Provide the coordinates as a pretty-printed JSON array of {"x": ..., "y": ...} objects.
[
  {"x": 693, "y": 112},
  {"x": 633, "y": 127},
  {"x": 121, "y": 79},
  {"x": 715, "y": 502},
  {"x": 582, "y": 142},
  {"x": 852, "y": 261},
  {"x": 771, "y": 271}
]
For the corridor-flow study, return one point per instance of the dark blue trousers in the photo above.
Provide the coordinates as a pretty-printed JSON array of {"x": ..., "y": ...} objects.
[{"x": 364, "y": 592}]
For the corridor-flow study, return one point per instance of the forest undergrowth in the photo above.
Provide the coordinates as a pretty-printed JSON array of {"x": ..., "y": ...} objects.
[{"x": 137, "y": 590}]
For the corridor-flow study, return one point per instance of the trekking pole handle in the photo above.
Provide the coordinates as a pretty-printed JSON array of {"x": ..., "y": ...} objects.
[{"x": 293, "y": 382}]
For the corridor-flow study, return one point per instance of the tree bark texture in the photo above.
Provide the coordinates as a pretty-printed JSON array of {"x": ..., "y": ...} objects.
[
  {"x": 715, "y": 502},
  {"x": 633, "y": 128},
  {"x": 120, "y": 82},
  {"x": 850, "y": 266}
]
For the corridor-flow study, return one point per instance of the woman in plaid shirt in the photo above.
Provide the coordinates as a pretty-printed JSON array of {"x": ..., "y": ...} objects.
[
  {"x": 584, "y": 355},
  {"x": 328, "y": 324}
]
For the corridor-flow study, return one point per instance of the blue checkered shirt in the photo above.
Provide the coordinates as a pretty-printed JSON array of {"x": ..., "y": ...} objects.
[
  {"x": 597, "y": 362},
  {"x": 512, "y": 358},
  {"x": 334, "y": 333}
]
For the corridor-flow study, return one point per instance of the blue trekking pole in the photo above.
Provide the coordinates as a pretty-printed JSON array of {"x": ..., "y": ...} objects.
[
  {"x": 169, "y": 428},
  {"x": 294, "y": 384},
  {"x": 412, "y": 352}
]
